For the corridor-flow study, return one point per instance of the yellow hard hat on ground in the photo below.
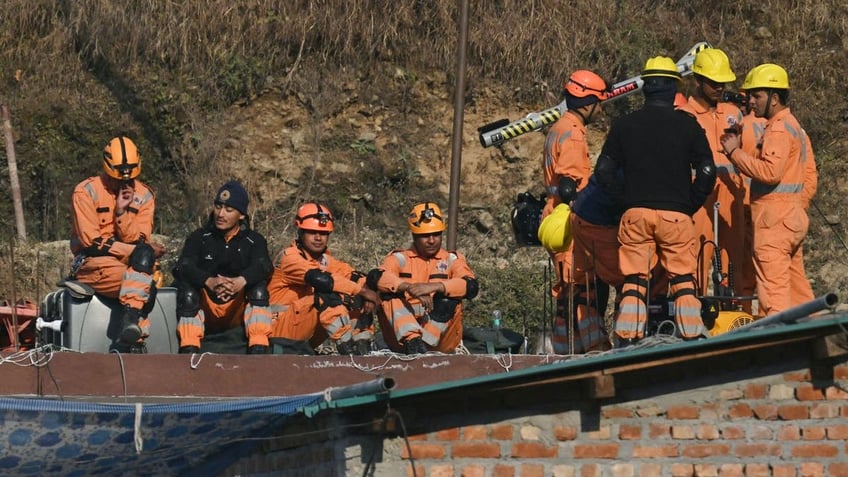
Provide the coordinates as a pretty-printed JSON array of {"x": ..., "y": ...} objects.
[{"x": 555, "y": 229}]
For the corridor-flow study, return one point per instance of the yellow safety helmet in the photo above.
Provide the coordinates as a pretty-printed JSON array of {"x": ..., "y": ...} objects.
[
  {"x": 766, "y": 76},
  {"x": 555, "y": 229},
  {"x": 661, "y": 66},
  {"x": 426, "y": 218},
  {"x": 121, "y": 160},
  {"x": 713, "y": 64}
]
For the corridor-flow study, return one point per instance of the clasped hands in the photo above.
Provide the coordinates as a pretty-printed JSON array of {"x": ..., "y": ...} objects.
[{"x": 225, "y": 288}]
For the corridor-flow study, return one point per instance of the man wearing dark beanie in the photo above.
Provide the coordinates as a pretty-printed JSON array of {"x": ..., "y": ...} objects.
[
  {"x": 222, "y": 277},
  {"x": 566, "y": 168},
  {"x": 657, "y": 147}
]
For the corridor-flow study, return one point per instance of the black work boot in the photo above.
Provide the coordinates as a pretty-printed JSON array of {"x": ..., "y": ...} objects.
[
  {"x": 361, "y": 347},
  {"x": 257, "y": 349},
  {"x": 190, "y": 349},
  {"x": 138, "y": 348},
  {"x": 345, "y": 348},
  {"x": 415, "y": 346},
  {"x": 130, "y": 331}
]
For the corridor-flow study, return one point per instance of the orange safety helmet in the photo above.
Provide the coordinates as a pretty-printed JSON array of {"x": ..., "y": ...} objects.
[
  {"x": 426, "y": 218},
  {"x": 583, "y": 83},
  {"x": 315, "y": 217},
  {"x": 121, "y": 160}
]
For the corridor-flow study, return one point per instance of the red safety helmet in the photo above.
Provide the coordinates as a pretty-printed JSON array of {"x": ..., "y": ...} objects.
[
  {"x": 583, "y": 83},
  {"x": 314, "y": 217}
]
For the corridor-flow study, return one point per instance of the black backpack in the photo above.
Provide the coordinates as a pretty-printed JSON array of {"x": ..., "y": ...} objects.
[
  {"x": 526, "y": 217},
  {"x": 479, "y": 340}
]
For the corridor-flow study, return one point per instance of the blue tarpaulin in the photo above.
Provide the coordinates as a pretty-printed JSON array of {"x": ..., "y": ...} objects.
[{"x": 68, "y": 438}]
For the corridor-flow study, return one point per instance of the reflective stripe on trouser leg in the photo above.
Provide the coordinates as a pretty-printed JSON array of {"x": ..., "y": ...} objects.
[
  {"x": 431, "y": 331},
  {"x": 135, "y": 288},
  {"x": 336, "y": 321},
  {"x": 633, "y": 309},
  {"x": 687, "y": 307},
  {"x": 362, "y": 327},
  {"x": 191, "y": 329},
  {"x": 590, "y": 325},
  {"x": 560, "y": 337},
  {"x": 257, "y": 324},
  {"x": 403, "y": 321}
]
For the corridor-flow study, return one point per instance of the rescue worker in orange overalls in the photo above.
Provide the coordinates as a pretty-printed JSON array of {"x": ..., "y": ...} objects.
[
  {"x": 657, "y": 147},
  {"x": 112, "y": 221},
  {"x": 314, "y": 295},
  {"x": 422, "y": 288},
  {"x": 778, "y": 202},
  {"x": 222, "y": 276},
  {"x": 711, "y": 70},
  {"x": 566, "y": 168}
]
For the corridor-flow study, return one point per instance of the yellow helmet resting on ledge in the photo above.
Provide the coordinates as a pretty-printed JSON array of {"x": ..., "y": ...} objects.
[{"x": 555, "y": 229}]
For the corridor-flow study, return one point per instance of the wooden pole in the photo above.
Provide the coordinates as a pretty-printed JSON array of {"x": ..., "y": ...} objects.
[
  {"x": 13, "y": 175},
  {"x": 458, "y": 113}
]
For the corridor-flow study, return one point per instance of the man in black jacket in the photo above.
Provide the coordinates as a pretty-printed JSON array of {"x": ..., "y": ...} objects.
[
  {"x": 657, "y": 147},
  {"x": 222, "y": 276}
]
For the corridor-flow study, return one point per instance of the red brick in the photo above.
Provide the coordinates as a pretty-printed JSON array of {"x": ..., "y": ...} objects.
[
  {"x": 757, "y": 450},
  {"x": 739, "y": 411},
  {"x": 707, "y": 432},
  {"x": 596, "y": 451},
  {"x": 565, "y": 433},
  {"x": 812, "y": 469},
  {"x": 475, "y": 433},
  {"x": 757, "y": 470},
  {"x": 683, "y": 412},
  {"x": 731, "y": 470},
  {"x": 797, "y": 376},
  {"x": 657, "y": 431},
  {"x": 705, "y": 450},
  {"x": 590, "y": 470},
  {"x": 421, "y": 450},
  {"x": 789, "y": 433},
  {"x": 448, "y": 434},
  {"x": 844, "y": 412},
  {"x": 418, "y": 437},
  {"x": 824, "y": 410},
  {"x": 532, "y": 470},
  {"x": 840, "y": 372},
  {"x": 807, "y": 392},
  {"x": 501, "y": 470},
  {"x": 682, "y": 470},
  {"x": 793, "y": 412},
  {"x": 815, "y": 450},
  {"x": 533, "y": 450},
  {"x": 814, "y": 433},
  {"x": 833, "y": 393},
  {"x": 650, "y": 470},
  {"x": 441, "y": 470},
  {"x": 474, "y": 470},
  {"x": 755, "y": 391},
  {"x": 706, "y": 470},
  {"x": 732, "y": 433},
  {"x": 616, "y": 413},
  {"x": 484, "y": 450},
  {"x": 650, "y": 452},
  {"x": 682, "y": 432},
  {"x": 783, "y": 470},
  {"x": 623, "y": 470},
  {"x": 837, "y": 470},
  {"x": 838, "y": 432},
  {"x": 628, "y": 432},
  {"x": 760, "y": 433},
  {"x": 766, "y": 412},
  {"x": 502, "y": 432}
]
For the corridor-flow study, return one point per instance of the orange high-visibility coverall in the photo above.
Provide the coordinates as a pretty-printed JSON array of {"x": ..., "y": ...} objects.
[
  {"x": 778, "y": 212},
  {"x": 105, "y": 241},
  {"x": 403, "y": 317},
  {"x": 302, "y": 316},
  {"x": 752, "y": 135},
  {"x": 729, "y": 192}
]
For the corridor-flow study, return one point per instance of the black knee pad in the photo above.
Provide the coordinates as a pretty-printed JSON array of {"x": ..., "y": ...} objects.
[
  {"x": 142, "y": 258},
  {"x": 326, "y": 300},
  {"x": 472, "y": 287},
  {"x": 188, "y": 300},
  {"x": 372, "y": 278},
  {"x": 443, "y": 308},
  {"x": 258, "y": 295}
]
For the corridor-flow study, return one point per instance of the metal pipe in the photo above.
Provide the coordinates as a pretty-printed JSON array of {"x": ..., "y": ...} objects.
[
  {"x": 793, "y": 314},
  {"x": 375, "y": 386},
  {"x": 458, "y": 106}
]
